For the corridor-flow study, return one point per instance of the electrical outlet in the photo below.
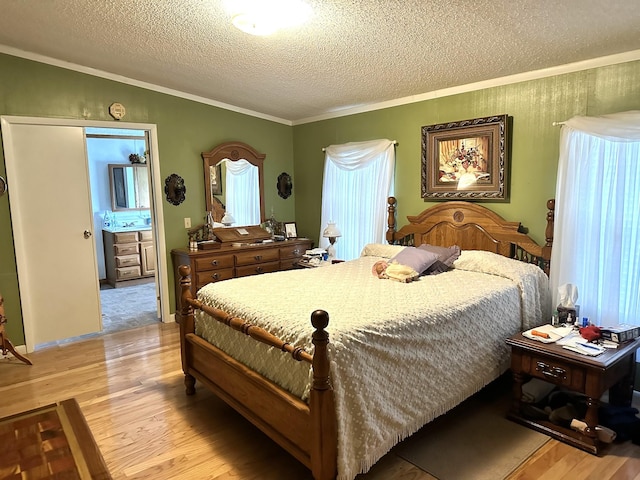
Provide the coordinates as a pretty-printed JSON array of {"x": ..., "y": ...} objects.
[{"x": 187, "y": 222}]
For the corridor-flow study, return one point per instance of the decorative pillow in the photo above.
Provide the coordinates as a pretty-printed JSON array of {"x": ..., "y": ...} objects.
[
  {"x": 415, "y": 258},
  {"x": 446, "y": 257}
]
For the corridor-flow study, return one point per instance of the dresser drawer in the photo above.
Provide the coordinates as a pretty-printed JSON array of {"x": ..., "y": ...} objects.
[
  {"x": 257, "y": 268},
  {"x": 556, "y": 372},
  {"x": 202, "y": 278},
  {"x": 293, "y": 251},
  {"x": 251, "y": 258},
  {"x": 289, "y": 263},
  {"x": 213, "y": 262},
  {"x": 126, "y": 249},
  {"x": 145, "y": 235},
  {"x": 125, "y": 237},
  {"x": 127, "y": 260},
  {"x": 125, "y": 273}
]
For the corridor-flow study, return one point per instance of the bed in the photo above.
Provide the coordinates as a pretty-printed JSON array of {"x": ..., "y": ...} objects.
[{"x": 400, "y": 354}]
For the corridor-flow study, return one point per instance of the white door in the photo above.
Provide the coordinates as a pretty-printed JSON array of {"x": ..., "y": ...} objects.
[{"x": 50, "y": 201}]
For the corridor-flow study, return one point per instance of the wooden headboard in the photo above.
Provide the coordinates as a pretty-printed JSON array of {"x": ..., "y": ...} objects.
[{"x": 472, "y": 227}]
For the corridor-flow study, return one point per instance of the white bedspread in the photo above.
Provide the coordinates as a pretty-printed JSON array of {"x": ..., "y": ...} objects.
[{"x": 401, "y": 353}]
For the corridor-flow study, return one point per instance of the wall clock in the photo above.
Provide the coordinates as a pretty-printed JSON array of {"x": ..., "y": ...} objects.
[{"x": 117, "y": 110}]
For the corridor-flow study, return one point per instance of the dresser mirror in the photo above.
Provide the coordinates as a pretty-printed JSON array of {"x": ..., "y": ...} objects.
[
  {"x": 235, "y": 167},
  {"x": 129, "y": 187}
]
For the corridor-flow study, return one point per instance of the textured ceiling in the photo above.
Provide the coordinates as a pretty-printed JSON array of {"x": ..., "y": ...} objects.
[{"x": 352, "y": 53}]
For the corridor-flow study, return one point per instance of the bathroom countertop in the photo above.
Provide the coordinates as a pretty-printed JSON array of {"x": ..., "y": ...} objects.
[{"x": 136, "y": 228}]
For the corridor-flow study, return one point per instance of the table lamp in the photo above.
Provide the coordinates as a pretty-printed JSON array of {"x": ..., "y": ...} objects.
[
  {"x": 332, "y": 233},
  {"x": 227, "y": 219}
]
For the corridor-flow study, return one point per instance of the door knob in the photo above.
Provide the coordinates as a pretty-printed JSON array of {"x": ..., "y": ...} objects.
[{"x": 87, "y": 234}]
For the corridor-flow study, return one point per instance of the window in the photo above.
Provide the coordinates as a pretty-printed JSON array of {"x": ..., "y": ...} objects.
[
  {"x": 597, "y": 222},
  {"x": 358, "y": 178}
]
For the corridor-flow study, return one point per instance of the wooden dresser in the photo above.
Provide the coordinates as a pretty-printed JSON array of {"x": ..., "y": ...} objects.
[
  {"x": 129, "y": 257},
  {"x": 228, "y": 262}
]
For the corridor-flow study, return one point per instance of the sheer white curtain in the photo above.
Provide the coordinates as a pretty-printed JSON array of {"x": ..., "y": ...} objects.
[
  {"x": 358, "y": 178},
  {"x": 243, "y": 192},
  {"x": 596, "y": 242}
]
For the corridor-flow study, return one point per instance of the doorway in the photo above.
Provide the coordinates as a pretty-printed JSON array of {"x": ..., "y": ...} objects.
[
  {"x": 121, "y": 204},
  {"x": 40, "y": 245}
]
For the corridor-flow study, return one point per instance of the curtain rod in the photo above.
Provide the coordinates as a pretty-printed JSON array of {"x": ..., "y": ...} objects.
[{"x": 395, "y": 142}]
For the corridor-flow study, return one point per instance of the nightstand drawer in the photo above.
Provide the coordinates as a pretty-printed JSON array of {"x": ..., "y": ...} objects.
[{"x": 556, "y": 372}]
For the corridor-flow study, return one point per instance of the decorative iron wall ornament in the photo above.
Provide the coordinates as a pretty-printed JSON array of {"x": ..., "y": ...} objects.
[
  {"x": 175, "y": 189},
  {"x": 285, "y": 185}
]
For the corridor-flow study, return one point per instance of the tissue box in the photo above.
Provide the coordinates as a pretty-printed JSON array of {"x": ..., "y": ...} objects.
[
  {"x": 563, "y": 313},
  {"x": 620, "y": 333}
]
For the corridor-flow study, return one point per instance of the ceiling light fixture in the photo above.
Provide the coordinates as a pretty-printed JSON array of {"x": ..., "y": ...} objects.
[{"x": 264, "y": 17}]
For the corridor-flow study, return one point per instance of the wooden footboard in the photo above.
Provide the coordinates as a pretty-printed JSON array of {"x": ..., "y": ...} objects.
[{"x": 307, "y": 431}]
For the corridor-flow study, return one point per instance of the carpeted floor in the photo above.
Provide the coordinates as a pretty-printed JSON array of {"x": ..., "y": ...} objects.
[
  {"x": 474, "y": 441},
  {"x": 52, "y": 442}
]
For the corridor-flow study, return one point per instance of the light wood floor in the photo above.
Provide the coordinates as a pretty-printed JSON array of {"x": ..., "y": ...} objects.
[{"x": 129, "y": 387}]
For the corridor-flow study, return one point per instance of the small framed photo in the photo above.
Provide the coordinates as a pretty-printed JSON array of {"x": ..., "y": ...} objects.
[{"x": 290, "y": 230}]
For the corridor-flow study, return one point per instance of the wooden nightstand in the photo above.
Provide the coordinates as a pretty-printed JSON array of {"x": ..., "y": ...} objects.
[{"x": 614, "y": 370}]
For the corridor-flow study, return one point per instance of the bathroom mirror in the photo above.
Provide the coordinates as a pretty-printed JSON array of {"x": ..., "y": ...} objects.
[
  {"x": 215, "y": 178},
  {"x": 129, "y": 187}
]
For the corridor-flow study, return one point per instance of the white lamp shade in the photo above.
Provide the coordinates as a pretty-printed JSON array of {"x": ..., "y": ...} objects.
[
  {"x": 227, "y": 219},
  {"x": 331, "y": 231}
]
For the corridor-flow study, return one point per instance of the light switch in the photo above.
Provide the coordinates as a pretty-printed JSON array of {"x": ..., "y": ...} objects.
[{"x": 187, "y": 222}]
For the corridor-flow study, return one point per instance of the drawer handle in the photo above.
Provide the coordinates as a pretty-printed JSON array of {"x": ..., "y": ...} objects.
[
  {"x": 214, "y": 276},
  {"x": 549, "y": 371},
  {"x": 296, "y": 252},
  {"x": 214, "y": 263},
  {"x": 258, "y": 257},
  {"x": 259, "y": 269}
]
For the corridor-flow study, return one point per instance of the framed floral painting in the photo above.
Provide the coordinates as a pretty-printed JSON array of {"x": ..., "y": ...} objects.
[{"x": 466, "y": 160}]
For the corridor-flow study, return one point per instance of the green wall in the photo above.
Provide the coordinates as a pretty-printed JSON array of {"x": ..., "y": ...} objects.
[
  {"x": 185, "y": 129},
  {"x": 533, "y": 105}
]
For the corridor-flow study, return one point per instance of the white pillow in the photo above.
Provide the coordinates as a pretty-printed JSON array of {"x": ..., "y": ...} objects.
[{"x": 381, "y": 250}]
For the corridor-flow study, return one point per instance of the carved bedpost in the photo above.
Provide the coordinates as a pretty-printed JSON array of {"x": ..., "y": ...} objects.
[
  {"x": 391, "y": 220},
  {"x": 548, "y": 233},
  {"x": 185, "y": 318},
  {"x": 324, "y": 435}
]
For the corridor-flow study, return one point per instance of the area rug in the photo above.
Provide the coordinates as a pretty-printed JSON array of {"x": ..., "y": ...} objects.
[
  {"x": 52, "y": 442},
  {"x": 474, "y": 441}
]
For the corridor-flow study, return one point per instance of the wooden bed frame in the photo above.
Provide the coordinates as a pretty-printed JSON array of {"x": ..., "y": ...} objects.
[{"x": 308, "y": 430}]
